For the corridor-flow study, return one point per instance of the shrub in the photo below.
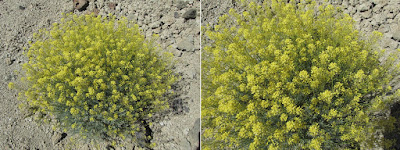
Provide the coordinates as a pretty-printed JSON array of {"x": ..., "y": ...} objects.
[
  {"x": 287, "y": 75},
  {"x": 97, "y": 77}
]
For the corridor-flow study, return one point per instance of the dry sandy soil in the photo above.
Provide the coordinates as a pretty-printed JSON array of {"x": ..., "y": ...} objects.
[{"x": 176, "y": 21}]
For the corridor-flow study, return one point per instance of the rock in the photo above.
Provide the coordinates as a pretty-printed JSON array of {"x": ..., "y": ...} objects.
[
  {"x": 58, "y": 137},
  {"x": 389, "y": 43},
  {"x": 182, "y": 4},
  {"x": 168, "y": 20},
  {"x": 80, "y": 5},
  {"x": 112, "y": 5},
  {"x": 396, "y": 34},
  {"x": 366, "y": 14},
  {"x": 176, "y": 14},
  {"x": 389, "y": 15},
  {"x": 379, "y": 2},
  {"x": 364, "y": 7},
  {"x": 165, "y": 34},
  {"x": 352, "y": 10},
  {"x": 377, "y": 8},
  {"x": 353, "y": 2},
  {"x": 357, "y": 18},
  {"x": 190, "y": 14},
  {"x": 185, "y": 45},
  {"x": 194, "y": 134},
  {"x": 378, "y": 19},
  {"x": 9, "y": 61},
  {"x": 183, "y": 144},
  {"x": 156, "y": 31},
  {"x": 21, "y": 7},
  {"x": 155, "y": 24}
]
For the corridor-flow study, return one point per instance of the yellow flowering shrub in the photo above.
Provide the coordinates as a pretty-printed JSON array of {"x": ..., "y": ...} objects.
[
  {"x": 287, "y": 75},
  {"x": 97, "y": 77}
]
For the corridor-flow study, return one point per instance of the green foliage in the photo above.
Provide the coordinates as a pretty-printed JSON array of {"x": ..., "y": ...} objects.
[
  {"x": 292, "y": 76},
  {"x": 97, "y": 77}
]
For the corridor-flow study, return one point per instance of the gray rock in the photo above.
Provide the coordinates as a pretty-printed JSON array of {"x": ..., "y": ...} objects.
[
  {"x": 353, "y": 2},
  {"x": 190, "y": 14},
  {"x": 352, "y": 10},
  {"x": 185, "y": 45},
  {"x": 357, "y": 18},
  {"x": 396, "y": 34},
  {"x": 195, "y": 133},
  {"x": 366, "y": 14},
  {"x": 184, "y": 144},
  {"x": 364, "y": 7},
  {"x": 176, "y": 14},
  {"x": 182, "y": 4},
  {"x": 389, "y": 43},
  {"x": 380, "y": 2},
  {"x": 80, "y": 4},
  {"x": 155, "y": 24},
  {"x": 156, "y": 31},
  {"x": 168, "y": 20},
  {"x": 9, "y": 61},
  {"x": 378, "y": 18}
]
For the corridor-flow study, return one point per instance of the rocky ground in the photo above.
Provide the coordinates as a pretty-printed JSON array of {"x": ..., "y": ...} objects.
[
  {"x": 176, "y": 21},
  {"x": 370, "y": 15}
]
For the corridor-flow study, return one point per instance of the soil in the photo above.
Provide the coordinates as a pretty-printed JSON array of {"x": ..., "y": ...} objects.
[{"x": 176, "y": 21}]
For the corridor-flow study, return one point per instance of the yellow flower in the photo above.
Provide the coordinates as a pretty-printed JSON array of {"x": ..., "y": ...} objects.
[
  {"x": 314, "y": 129},
  {"x": 100, "y": 96},
  {"x": 73, "y": 126},
  {"x": 74, "y": 111},
  {"x": 11, "y": 85}
]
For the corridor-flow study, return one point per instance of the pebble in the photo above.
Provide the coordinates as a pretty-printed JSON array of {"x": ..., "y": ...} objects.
[
  {"x": 185, "y": 45},
  {"x": 396, "y": 34},
  {"x": 190, "y": 14},
  {"x": 176, "y": 14},
  {"x": 9, "y": 61}
]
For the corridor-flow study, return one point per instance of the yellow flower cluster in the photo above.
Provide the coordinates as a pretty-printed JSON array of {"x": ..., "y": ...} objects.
[
  {"x": 97, "y": 75},
  {"x": 287, "y": 75}
]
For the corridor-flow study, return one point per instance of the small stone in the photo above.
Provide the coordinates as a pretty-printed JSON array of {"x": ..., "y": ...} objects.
[
  {"x": 195, "y": 131},
  {"x": 9, "y": 61},
  {"x": 155, "y": 24},
  {"x": 389, "y": 15},
  {"x": 364, "y": 7},
  {"x": 377, "y": 8},
  {"x": 81, "y": 5},
  {"x": 353, "y": 2},
  {"x": 168, "y": 20},
  {"x": 58, "y": 137},
  {"x": 176, "y": 14},
  {"x": 118, "y": 8},
  {"x": 357, "y": 18},
  {"x": 182, "y": 4},
  {"x": 185, "y": 45},
  {"x": 366, "y": 14},
  {"x": 379, "y": 2},
  {"x": 112, "y": 5},
  {"x": 156, "y": 31},
  {"x": 190, "y": 14},
  {"x": 396, "y": 34},
  {"x": 383, "y": 29},
  {"x": 21, "y": 7}
]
